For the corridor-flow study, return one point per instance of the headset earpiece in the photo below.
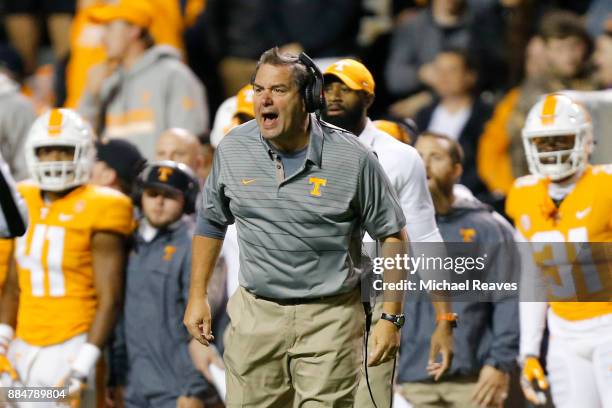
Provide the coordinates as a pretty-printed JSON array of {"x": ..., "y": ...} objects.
[
  {"x": 314, "y": 98},
  {"x": 191, "y": 197}
]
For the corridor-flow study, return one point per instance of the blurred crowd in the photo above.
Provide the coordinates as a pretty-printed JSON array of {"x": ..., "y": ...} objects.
[
  {"x": 167, "y": 79},
  {"x": 466, "y": 68}
]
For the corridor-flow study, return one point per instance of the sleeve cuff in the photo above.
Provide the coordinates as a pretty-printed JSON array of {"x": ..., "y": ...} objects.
[
  {"x": 385, "y": 232},
  {"x": 210, "y": 229},
  {"x": 505, "y": 366}
]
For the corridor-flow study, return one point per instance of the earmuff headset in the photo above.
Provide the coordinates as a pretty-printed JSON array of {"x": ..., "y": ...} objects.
[
  {"x": 312, "y": 92},
  {"x": 171, "y": 174}
]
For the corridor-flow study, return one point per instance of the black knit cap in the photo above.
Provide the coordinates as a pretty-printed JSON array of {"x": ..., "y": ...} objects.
[{"x": 121, "y": 156}]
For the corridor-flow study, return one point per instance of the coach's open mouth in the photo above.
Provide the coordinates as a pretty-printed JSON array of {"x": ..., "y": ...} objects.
[{"x": 269, "y": 119}]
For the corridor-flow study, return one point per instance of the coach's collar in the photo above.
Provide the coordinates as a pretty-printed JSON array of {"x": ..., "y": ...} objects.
[{"x": 315, "y": 143}]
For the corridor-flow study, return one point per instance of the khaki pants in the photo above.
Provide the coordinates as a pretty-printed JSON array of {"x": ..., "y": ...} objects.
[
  {"x": 451, "y": 394},
  {"x": 305, "y": 355},
  {"x": 380, "y": 376}
]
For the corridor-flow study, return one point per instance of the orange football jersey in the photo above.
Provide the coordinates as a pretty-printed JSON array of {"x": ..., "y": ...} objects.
[
  {"x": 6, "y": 249},
  {"x": 54, "y": 260},
  {"x": 583, "y": 216}
]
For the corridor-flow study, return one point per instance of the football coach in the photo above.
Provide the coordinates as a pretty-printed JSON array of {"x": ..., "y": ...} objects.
[{"x": 302, "y": 193}]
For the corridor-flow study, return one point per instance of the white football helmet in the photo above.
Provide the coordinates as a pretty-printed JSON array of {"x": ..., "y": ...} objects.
[
  {"x": 60, "y": 127},
  {"x": 557, "y": 115}
]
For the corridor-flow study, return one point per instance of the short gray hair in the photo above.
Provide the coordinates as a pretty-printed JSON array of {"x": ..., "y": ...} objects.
[{"x": 273, "y": 56}]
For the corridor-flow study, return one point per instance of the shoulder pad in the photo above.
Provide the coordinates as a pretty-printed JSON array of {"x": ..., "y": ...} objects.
[
  {"x": 602, "y": 169},
  {"x": 105, "y": 191},
  {"x": 527, "y": 181}
]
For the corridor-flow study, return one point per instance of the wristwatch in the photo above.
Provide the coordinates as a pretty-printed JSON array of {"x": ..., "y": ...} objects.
[
  {"x": 449, "y": 317},
  {"x": 397, "y": 320}
]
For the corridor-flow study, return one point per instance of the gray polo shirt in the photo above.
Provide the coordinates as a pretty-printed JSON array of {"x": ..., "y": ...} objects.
[{"x": 300, "y": 236}]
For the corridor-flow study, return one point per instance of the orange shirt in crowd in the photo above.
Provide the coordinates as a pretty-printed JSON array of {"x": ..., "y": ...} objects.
[
  {"x": 86, "y": 50},
  {"x": 493, "y": 158}
]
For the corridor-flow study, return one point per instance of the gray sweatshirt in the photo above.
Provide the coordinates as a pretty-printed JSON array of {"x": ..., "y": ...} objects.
[
  {"x": 16, "y": 117},
  {"x": 157, "y": 93},
  {"x": 488, "y": 332}
]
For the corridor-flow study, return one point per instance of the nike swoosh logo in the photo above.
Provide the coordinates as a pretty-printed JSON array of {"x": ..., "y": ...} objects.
[
  {"x": 248, "y": 181},
  {"x": 581, "y": 214}
]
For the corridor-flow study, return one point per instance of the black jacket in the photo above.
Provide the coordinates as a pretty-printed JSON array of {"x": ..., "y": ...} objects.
[{"x": 468, "y": 139}]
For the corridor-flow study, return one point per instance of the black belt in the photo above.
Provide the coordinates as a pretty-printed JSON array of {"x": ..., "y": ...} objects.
[{"x": 298, "y": 301}]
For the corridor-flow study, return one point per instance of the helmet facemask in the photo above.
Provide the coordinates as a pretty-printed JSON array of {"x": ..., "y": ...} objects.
[
  {"x": 557, "y": 164},
  {"x": 59, "y": 175},
  {"x": 547, "y": 136}
]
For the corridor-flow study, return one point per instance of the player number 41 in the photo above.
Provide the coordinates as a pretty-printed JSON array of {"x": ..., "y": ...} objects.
[{"x": 33, "y": 260}]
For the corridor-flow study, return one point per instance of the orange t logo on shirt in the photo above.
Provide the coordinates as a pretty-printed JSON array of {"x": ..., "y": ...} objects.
[{"x": 317, "y": 183}]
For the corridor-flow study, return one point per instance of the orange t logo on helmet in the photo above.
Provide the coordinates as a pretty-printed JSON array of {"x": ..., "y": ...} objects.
[{"x": 164, "y": 173}]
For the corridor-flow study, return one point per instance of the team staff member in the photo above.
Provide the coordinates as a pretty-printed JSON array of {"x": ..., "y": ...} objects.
[
  {"x": 63, "y": 292},
  {"x": 486, "y": 344},
  {"x": 301, "y": 193},
  {"x": 182, "y": 147},
  {"x": 152, "y": 344},
  {"x": 349, "y": 92}
]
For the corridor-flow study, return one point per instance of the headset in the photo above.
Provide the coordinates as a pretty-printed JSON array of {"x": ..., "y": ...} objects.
[
  {"x": 180, "y": 177},
  {"x": 312, "y": 92}
]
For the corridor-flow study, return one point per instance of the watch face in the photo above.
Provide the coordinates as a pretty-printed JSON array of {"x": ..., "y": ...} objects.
[{"x": 401, "y": 320}]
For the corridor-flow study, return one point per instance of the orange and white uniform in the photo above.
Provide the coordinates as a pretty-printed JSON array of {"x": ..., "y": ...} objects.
[
  {"x": 54, "y": 262},
  {"x": 579, "y": 359},
  {"x": 583, "y": 216}
]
